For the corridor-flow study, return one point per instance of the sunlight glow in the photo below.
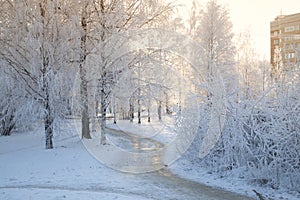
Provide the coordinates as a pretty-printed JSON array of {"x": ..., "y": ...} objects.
[{"x": 254, "y": 15}]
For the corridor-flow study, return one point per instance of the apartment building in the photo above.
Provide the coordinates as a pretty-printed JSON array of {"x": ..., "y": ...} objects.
[{"x": 285, "y": 44}]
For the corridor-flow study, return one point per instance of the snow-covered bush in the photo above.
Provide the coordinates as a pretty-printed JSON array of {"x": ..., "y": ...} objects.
[
  {"x": 9, "y": 103},
  {"x": 261, "y": 138}
]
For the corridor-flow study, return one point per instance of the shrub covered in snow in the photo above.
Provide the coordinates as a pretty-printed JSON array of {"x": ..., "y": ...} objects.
[{"x": 260, "y": 140}]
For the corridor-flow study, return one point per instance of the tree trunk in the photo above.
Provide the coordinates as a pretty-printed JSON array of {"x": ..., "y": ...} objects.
[
  {"x": 49, "y": 131},
  {"x": 114, "y": 110},
  {"x": 149, "y": 118},
  {"x": 131, "y": 109},
  {"x": 103, "y": 116},
  {"x": 159, "y": 111},
  {"x": 48, "y": 121},
  {"x": 139, "y": 106},
  {"x": 168, "y": 110},
  {"x": 103, "y": 80},
  {"x": 7, "y": 125},
  {"x": 94, "y": 115},
  {"x": 85, "y": 121}
]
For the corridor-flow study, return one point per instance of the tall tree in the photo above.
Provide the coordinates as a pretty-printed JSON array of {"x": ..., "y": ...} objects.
[
  {"x": 252, "y": 72},
  {"x": 246, "y": 61},
  {"x": 84, "y": 18},
  {"x": 34, "y": 47},
  {"x": 214, "y": 33}
]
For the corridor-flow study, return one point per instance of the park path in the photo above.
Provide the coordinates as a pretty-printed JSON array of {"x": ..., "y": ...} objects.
[{"x": 166, "y": 180}]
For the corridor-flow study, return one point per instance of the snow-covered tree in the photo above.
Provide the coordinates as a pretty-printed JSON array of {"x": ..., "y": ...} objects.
[
  {"x": 34, "y": 47},
  {"x": 253, "y": 73},
  {"x": 277, "y": 64},
  {"x": 215, "y": 36},
  {"x": 9, "y": 102}
]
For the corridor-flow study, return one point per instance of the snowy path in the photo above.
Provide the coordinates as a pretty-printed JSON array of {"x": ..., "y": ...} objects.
[
  {"x": 167, "y": 179},
  {"x": 69, "y": 172},
  {"x": 54, "y": 192},
  {"x": 171, "y": 187}
]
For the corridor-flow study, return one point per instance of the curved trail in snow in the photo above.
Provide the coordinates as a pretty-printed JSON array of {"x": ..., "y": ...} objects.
[
  {"x": 94, "y": 189},
  {"x": 165, "y": 178},
  {"x": 185, "y": 189}
]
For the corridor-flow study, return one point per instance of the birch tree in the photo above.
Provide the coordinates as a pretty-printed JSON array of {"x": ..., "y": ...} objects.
[
  {"x": 8, "y": 102},
  {"x": 34, "y": 47},
  {"x": 84, "y": 51},
  {"x": 247, "y": 66},
  {"x": 214, "y": 34}
]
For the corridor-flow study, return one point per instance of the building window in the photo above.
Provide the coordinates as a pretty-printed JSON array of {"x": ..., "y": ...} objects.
[
  {"x": 289, "y": 29},
  {"x": 275, "y": 33},
  {"x": 289, "y": 38},
  {"x": 293, "y": 38},
  {"x": 276, "y": 41},
  {"x": 292, "y": 55},
  {"x": 289, "y": 56}
]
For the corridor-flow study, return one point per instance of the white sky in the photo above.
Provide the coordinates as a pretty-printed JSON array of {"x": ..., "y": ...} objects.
[{"x": 255, "y": 15}]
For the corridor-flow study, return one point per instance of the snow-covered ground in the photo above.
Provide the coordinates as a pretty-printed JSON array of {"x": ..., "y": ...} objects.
[
  {"x": 185, "y": 169},
  {"x": 66, "y": 172},
  {"x": 28, "y": 171}
]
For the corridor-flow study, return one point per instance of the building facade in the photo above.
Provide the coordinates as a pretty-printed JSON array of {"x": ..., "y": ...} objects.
[{"x": 285, "y": 44}]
